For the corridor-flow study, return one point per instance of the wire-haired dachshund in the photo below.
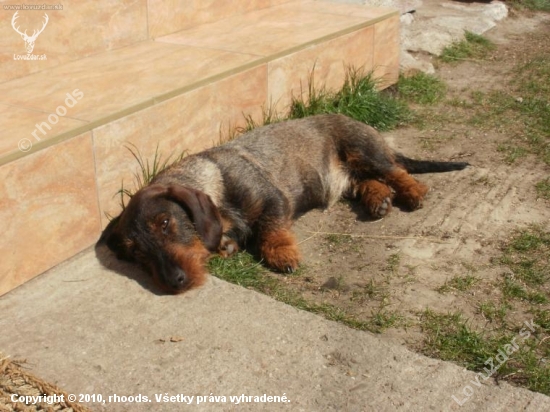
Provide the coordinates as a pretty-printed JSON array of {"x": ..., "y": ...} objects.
[{"x": 249, "y": 191}]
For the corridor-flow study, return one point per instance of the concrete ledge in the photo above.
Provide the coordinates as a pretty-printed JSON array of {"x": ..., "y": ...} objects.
[{"x": 90, "y": 330}]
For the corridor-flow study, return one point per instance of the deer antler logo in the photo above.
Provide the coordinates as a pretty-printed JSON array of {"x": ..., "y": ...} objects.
[{"x": 29, "y": 40}]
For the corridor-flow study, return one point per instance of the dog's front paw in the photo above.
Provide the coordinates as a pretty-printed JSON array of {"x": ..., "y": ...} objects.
[
  {"x": 227, "y": 247},
  {"x": 280, "y": 251},
  {"x": 283, "y": 259}
]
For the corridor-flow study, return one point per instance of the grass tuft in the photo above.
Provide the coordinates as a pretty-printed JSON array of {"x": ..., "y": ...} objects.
[
  {"x": 421, "y": 88},
  {"x": 473, "y": 46},
  {"x": 494, "y": 312},
  {"x": 358, "y": 98},
  {"x": 269, "y": 116},
  {"x": 532, "y": 85},
  {"x": 512, "y": 152},
  {"x": 146, "y": 171},
  {"x": 543, "y": 188},
  {"x": 370, "y": 292},
  {"x": 461, "y": 283},
  {"x": 450, "y": 337},
  {"x": 526, "y": 256},
  {"x": 534, "y": 5},
  {"x": 392, "y": 263}
]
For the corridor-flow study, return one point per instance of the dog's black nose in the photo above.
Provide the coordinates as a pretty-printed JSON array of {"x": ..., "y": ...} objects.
[{"x": 177, "y": 280}]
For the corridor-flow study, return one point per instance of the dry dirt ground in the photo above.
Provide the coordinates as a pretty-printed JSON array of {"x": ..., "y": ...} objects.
[{"x": 393, "y": 269}]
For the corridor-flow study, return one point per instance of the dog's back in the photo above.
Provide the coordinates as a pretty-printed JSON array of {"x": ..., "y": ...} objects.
[
  {"x": 297, "y": 160},
  {"x": 310, "y": 163}
]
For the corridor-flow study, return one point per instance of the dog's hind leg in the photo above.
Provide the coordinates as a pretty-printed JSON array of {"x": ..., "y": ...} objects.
[
  {"x": 408, "y": 191},
  {"x": 372, "y": 166},
  {"x": 376, "y": 197}
]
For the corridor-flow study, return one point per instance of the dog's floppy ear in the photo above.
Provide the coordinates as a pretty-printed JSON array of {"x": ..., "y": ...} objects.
[
  {"x": 112, "y": 238},
  {"x": 203, "y": 212},
  {"x": 108, "y": 231}
]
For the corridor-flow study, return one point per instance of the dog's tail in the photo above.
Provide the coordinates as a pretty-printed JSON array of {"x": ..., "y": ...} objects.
[{"x": 428, "y": 166}]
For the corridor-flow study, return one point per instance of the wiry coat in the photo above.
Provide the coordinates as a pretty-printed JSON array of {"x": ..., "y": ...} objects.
[{"x": 252, "y": 188}]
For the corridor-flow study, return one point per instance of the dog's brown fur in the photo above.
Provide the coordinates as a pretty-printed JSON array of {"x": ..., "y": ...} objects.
[{"x": 250, "y": 190}]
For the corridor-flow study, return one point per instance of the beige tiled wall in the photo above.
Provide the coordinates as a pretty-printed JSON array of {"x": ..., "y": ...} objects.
[
  {"x": 23, "y": 128},
  {"x": 386, "y": 51},
  {"x": 103, "y": 89},
  {"x": 266, "y": 32},
  {"x": 85, "y": 28},
  {"x": 118, "y": 81},
  {"x": 290, "y": 75},
  {"x": 167, "y": 17},
  {"x": 48, "y": 209}
]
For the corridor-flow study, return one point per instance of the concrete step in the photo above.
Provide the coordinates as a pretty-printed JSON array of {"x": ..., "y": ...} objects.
[
  {"x": 67, "y": 122},
  {"x": 93, "y": 331}
]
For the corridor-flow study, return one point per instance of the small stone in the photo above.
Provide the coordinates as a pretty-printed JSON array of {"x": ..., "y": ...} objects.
[{"x": 331, "y": 283}]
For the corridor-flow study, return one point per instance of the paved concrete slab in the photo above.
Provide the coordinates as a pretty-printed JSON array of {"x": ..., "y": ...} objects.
[{"x": 93, "y": 331}]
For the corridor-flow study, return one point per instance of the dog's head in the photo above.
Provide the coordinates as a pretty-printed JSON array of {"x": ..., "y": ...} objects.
[{"x": 169, "y": 230}]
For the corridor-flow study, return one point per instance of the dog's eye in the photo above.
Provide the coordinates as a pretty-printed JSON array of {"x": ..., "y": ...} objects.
[{"x": 164, "y": 225}]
